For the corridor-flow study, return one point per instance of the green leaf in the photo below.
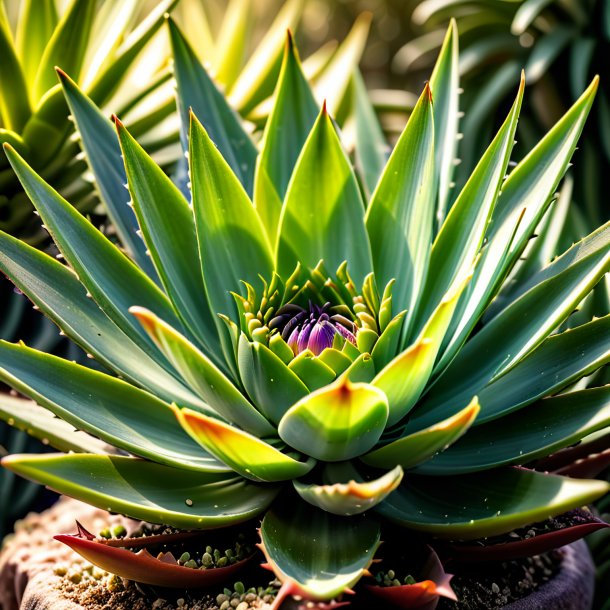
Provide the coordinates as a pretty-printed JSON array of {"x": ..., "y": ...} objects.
[
  {"x": 337, "y": 422},
  {"x": 202, "y": 375},
  {"x": 596, "y": 242},
  {"x": 519, "y": 328},
  {"x": 526, "y": 195},
  {"x": 232, "y": 41},
  {"x": 40, "y": 423},
  {"x": 316, "y": 554},
  {"x": 103, "y": 406},
  {"x": 401, "y": 212},
  {"x": 35, "y": 26},
  {"x": 323, "y": 213},
  {"x": 111, "y": 24},
  {"x": 361, "y": 370},
  {"x": 15, "y": 107},
  {"x": 371, "y": 149},
  {"x": 526, "y": 14},
  {"x": 112, "y": 279},
  {"x": 108, "y": 80},
  {"x": 405, "y": 377},
  {"x": 559, "y": 361},
  {"x": 293, "y": 115},
  {"x": 543, "y": 428},
  {"x": 445, "y": 83},
  {"x": 471, "y": 506},
  {"x": 249, "y": 456},
  {"x": 233, "y": 245},
  {"x": 270, "y": 384},
  {"x": 462, "y": 233},
  {"x": 258, "y": 78},
  {"x": 387, "y": 346},
  {"x": 168, "y": 228},
  {"x": 351, "y": 498},
  {"x": 547, "y": 49},
  {"x": 199, "y": 95},
  {"x": 57, "y": 292},
  {"x": 186, "y": 500},
  {"x": 67, "y": 46},
  {"x": 99, "y": 141},
  {"x": 415, "y": 448},
  {"x": 311, "y": 370},
  {"x": 332, "y": 84}
]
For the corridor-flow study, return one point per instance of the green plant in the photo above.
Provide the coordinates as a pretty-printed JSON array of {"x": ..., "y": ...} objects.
[
  {"x": 98, "y": 42},
  {"x": 307, "y": 356},
  {"x": 560, "y": 44}
]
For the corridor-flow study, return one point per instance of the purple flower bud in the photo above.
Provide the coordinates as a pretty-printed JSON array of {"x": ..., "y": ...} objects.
[{"x": 312, "y": 329}]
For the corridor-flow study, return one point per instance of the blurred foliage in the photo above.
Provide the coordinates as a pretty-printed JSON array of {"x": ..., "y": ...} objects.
[{"x": 561, "y": 44}]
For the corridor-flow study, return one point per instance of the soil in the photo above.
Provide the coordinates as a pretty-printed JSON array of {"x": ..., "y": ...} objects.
[
  {"x": 34, "y": 569},
  {"x": 492, "y": 585}
]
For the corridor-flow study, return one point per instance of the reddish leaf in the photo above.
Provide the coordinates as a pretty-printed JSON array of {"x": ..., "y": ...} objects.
[
  {"x": 144, "y": 568},
  {"x": 587, "y": 467},
  {"x": 526, "y": 547},
  {"x": 423, "y": 595},
  {"x": 569, "y": 455}
]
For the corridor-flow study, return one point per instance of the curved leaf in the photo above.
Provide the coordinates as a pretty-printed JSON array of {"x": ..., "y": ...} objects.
[
  {"x": 233, "y": 245},
  {"x": 186, "y": 500},
  {"x": 40, "y": 423},
  {"x": 405, "y": 377},
  {"x": 293, "y": 115},
  {"x": 518, "y": 329},
  {"x": 103, "y": 406},
  {"x": 337, "y": 422},
  {"x": 202, "y": 375},
  {"x": 351, "y": 498},
  {"x": 323, "y": 213},
  {"x": 198, "y": 94},
  {"x": 168, "y": 228},
  {"x": 541, "y": 429},
  {"x": 244, "y": 453},
  {"x": 142, "y": 567},
  {"x": 560, "y": 360},
  {"x": 484, "y": 504},
  {"x": 58, "y": 293},
  {"x": 99, "y": 141},
  {"x": 401, "y": 211},
  {"x": 445, "y": 83},
  {"x": 420, "y": 446},
  {"x": 316, "y": 554},
  {"x": 269, "y": 383},
  {"x": 114, "y": 281},
  {"x": 461, "y": 235}
]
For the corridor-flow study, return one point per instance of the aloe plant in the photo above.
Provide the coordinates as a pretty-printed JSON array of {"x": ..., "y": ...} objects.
[
  {"x": 560, "y": 44},
  {"x": 97, "y": 42},
  {"x": 330, "y": 361}
]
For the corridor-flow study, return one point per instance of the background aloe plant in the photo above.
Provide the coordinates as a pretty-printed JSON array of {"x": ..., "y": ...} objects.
[
  {"x": 300, "y": 343},
  {"x": 560, "y": 44},
  {"x": 100, "y": 42}
]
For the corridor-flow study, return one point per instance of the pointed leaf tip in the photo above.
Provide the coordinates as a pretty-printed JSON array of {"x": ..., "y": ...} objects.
[{"x": 428, "y": 91}]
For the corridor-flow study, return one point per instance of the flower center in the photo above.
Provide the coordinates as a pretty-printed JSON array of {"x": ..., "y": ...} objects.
[{"x": 313, "y": 328}]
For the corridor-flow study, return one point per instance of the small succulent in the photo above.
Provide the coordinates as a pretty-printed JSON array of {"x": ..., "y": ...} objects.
[{"x": 337, "y": 363}]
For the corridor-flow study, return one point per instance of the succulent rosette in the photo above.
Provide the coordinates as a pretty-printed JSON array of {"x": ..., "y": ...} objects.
[{"x": 333, "y": 363}]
